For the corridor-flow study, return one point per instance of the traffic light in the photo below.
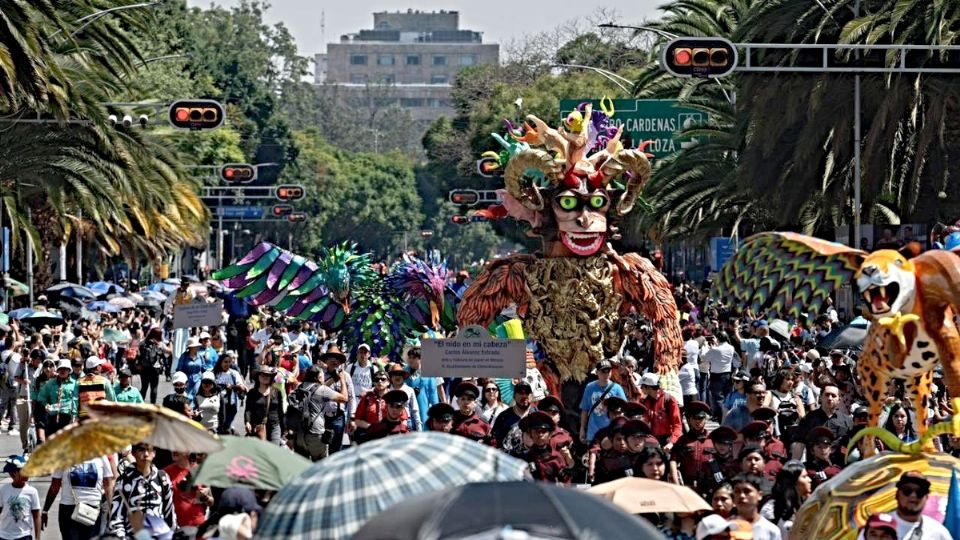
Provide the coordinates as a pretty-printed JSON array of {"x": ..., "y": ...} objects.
[
  {"x": 196, "y": 114},
  {"x": 464, "y": 197},
  {"x": 699, "y": 57},
  {"x": 238, "y": 173},
  {"x": 281, "y": 210},
  {"x": 290, "y": 192},
  {"x": 297, "y": 217},
  {"x": 460, "y": 220}
]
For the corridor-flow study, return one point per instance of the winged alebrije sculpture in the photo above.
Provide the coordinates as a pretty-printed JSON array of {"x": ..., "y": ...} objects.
[
  {"x": 343, "y": 292},
  {"x": 911, "y": 297},
  {"x": 572, "y": 296}
]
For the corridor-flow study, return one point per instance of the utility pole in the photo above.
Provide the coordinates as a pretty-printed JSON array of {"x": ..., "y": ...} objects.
[
  {"x": 80, "y": 247},
  {"x": 30, "y": 261}
]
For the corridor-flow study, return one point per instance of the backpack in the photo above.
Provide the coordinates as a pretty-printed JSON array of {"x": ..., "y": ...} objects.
[
  {"x": 298, "y": 417},
  {"x": 373, "y": 370},
  {"x": 787, "y": 417},
  {"x": 151, "y": 355}
]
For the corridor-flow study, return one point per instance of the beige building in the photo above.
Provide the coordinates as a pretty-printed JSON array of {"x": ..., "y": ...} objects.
[{"x": 409, "y": 59}]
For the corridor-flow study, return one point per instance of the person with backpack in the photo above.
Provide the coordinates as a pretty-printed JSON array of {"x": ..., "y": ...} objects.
[
  {"x": 362, "y": 370},
  {"x": 150, "y": 363},
  {"x": 784, "y": 400},
  {"x": 305, "y": 419}
]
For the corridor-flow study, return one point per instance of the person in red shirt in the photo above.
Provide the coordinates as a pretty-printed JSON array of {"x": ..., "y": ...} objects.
[
  {"x": 560, "y": 438},
  {"x": 440, "y": 418},
  {"x": 466, "y": 421},
  {"x": 663, "y": 412},
  {"x": 546, "y": 463},
  {"x": 371, "y": 408},
  {"x": 190, "y": 502},
  {"x": 393, "y": 422}
]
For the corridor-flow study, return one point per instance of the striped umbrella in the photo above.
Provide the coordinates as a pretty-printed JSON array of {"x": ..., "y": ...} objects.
[{"x": 338, "y": 495}]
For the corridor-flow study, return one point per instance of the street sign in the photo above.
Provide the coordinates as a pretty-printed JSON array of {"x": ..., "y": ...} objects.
[
  {"x": 241, "y": 212},
  {"x": 655, "y": 120}
]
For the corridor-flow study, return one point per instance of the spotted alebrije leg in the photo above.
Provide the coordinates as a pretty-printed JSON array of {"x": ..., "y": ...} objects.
[{"x": 919, "y": 388}]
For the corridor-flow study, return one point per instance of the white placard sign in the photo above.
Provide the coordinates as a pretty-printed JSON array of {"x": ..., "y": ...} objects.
[
  {"x": 474, "y": 353},
  {"x": 197, "y": 314}
]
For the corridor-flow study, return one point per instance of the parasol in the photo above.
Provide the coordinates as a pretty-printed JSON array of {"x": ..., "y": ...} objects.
[
  {"x": 71, "y": 290},
  {"x": 104, "y": 287},
  {"x": 112, "y": 335},
  {"x": 103, "y": 306},
  {"x": 79, "y": 442},
  {"x": 168, "y": 429},
  {"x": 154, "y": 295},
  {"x": 250, "y": 462},
  {"x": 20, "y": 313},
  {"x": 123, "y": 302},
  {"x": 43, "y": 318},
  {"x": 642, "y": 495}
]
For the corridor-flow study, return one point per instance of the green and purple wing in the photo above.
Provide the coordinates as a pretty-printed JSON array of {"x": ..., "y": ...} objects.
[
  {"x": 786, "y": 273},
  {"x": 271, "y": 276}
]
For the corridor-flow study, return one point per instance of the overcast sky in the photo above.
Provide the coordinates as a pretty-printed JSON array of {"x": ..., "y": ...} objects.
[{"x": 499, "y": 20}]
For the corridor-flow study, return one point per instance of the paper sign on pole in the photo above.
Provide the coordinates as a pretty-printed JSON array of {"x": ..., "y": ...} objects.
[
  {"x": 474, "y": 353},
  {"x": 197, "y": 314}
]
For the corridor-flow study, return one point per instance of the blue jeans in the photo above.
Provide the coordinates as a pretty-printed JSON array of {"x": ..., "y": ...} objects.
[
  {"x": 335, "y": 425},
  {"x": 703, "y": 386},
  {"x": 720, "y": 386}
]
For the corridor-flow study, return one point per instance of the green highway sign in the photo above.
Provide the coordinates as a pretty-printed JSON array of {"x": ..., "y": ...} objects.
[{"x": 655, "y": 120}]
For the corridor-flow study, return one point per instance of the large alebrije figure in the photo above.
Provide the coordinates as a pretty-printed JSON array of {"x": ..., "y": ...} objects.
[
  {"x": 342, "y": 292},
  {"x": 570, "y": 184},
  {"x": 912, "y": 299}
]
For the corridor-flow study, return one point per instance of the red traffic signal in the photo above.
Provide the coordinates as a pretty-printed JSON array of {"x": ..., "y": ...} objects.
[
  {"x": 460, "y": 220},
  {"x": 290, "y": 192},
  {"x": 699, "y": 57},
  {"x": 196, "y": 114},
  {"x": 281, "y": 210},
  {"x": 296, "y": 217},
  {"x": 465, "y": 197},
  {"x": 238, "y": 173}
]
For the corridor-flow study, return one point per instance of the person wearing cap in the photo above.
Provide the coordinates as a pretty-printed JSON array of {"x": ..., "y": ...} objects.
[
  {"x": 603, "y": 440},
  {"x": 738, "y": 395},
  {"x": 362, "y": 370},
  {"x": 879, "y": 526},
  {"x": 714, "y": 527},
  {"x": 338, "y": 417},
  {"x": 124, "y": 391},
  {"x": 58, "y": 397},
  {"x": 466, "y": 420},
  {"x": 748, "y": 491},
  {"x": 560, "y": 438},
  {"x": 723, "y": 464},
  {"x": 773, "y": 447},
  {"x": 546, "y": 463},
  {"x": 440, "y": 418},
  {"x": 691, "y": 454},
  {"x": 428, "y": 391},
  {"x": 398, "y": 381},
  {"x": 306, "y": 424},
  {"x": 208, "y": 354},
  {"x": 663, "y": 412},
  {"x": 829, "y": 415},
  {"x": 208, "y": 402},
  {"x": 809, "y": 393},
  {"x": 191, "y": 364},
  {"x": 372, "y": 408},
  {"x": 613, "y": 462},
  {"x": 393, "y": 422},
  {"x": 93, "y": 386},
  {"x": 913, "y": 490},
  {"x": 19, "y": 503},
  {"x": 593, "y": 415},
  {"x": 819, "y": 448},
  {"x": 505, "y": 428},
  {"x": 263, "y": 414},
  {"x": 757, "y": 434}
]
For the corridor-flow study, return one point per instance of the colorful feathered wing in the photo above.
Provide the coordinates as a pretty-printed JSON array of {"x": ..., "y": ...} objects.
[{"x": 787, "y": 273}]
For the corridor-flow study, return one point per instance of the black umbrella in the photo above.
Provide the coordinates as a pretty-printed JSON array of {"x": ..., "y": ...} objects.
[
  {"x": 848, "y": 338},
  {"x": 149, "y": 303},
  {"x": 42, "y": 318},
  {"x": 490, "y": 509}
]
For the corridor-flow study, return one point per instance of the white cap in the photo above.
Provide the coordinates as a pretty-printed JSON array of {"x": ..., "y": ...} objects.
[
  {"x": 64, "y": 364},
  {"x": 208, "y": 376},
  {"x": 713, "y": 524},
  {"x": 363, "y": 346},
  {"x": 193, "y": 342},
  {"x": 204, "y": 335},
  {"x": 93, "y": 362},
  {"x": 179, "y": 377},
  {"x": 650, "y": 379}
]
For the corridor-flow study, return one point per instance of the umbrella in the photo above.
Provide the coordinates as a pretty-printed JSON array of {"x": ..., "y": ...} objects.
[
  {"x": 21, "y": 313},
  {"x": 101, "y": 305},
  {"x": 123, "y": 303},
  {"x": 72, "y": 290},
  {"x": 172, "y": 281},
  {"x": 642, "y": 495},
  {"x": 17, "y": 288},
  {"x": 337, "y": 495},
  {"x": 134, "y": 296},
  {"x": 164, "y": 288},
  {"x": 148, "y": 303},
  {"x": 191, "y": 278},
  {"x": 848, "y": 337},
  {"x": 490, "y": 509},
  {"x": 113, "y": 335},
  {"x": 103, "y": 287},
  {"x": 154, "y": 295},
  {"x": 79, "y": 442},
  {"x": 250, "y": 462},
  {"x": 168, "y": 429},
  {"x": 43, "y": 318}
]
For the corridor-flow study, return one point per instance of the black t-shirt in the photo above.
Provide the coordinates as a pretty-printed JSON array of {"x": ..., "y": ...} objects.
[
  {"x": 256, "y": 407},
  {"x": 501, "y": 426}
]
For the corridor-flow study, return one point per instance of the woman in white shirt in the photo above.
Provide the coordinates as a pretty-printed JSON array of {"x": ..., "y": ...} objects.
[
  {"x": 92, "y": 483},
  {"x": 208, "y": 402},
  {"x": 492, "y": 404}
]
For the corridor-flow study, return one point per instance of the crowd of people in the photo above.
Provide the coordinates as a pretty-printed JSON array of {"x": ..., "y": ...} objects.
[{"x": 762, "y": 416}]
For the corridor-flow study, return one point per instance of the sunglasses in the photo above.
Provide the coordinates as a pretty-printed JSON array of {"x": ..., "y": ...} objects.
[
  {"x": 491, "y": 389},
  {"x": 380, "y": 379},
  {"x": 911, "y": 491}
]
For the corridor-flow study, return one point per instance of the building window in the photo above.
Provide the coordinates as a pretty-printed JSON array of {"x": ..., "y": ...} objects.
[
  {"x": 387, "y": 79},
  {"x": 434, "y": 103},
  {"x": 467, "y": 59},
  {"x": 358, "y": 78},
  {"x": 385, "y": 60},
  {"x": 413, "y": 60},
  {"x": 439, "y": 60},
  {"x": 438, "y": 79},
  {"x": 358, "y": 59},
  {"x": 411, "y": 102}
]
